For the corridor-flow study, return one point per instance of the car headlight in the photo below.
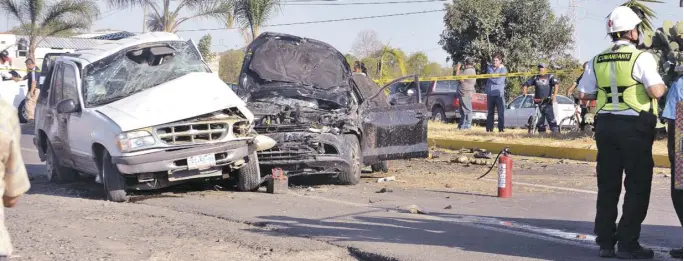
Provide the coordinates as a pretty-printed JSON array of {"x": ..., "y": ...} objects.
[{"x": 135, "y": 140}]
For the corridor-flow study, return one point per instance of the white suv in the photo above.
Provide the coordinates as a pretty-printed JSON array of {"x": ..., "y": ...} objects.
[{"x": 141, "y": 113}]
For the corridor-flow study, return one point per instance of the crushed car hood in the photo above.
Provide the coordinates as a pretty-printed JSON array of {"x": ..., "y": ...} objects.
[
  {"x": 188, "y": 96},
  {"x": 282, "y": 58}
]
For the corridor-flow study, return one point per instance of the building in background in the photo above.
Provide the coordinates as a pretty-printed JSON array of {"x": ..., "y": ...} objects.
[{"x": 17, "y": 46}]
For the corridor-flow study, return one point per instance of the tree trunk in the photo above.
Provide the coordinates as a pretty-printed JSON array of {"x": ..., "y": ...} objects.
[{"x": 33, "y": 43}]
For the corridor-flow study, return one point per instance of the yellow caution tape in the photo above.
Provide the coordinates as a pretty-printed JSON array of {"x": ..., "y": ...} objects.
[
  {"x": 17, "y": 69},
  {"x": 482, "y": 76}
]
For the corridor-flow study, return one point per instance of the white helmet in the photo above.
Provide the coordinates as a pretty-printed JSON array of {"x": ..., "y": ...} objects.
[{"x": 622, "y": 19}]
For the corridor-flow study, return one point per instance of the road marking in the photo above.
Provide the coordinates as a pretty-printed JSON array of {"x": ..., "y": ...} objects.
[
  {"x": 31, "y": 150},
  {"x": 504, "y": 226},
  {"x": 551, "y": 187}
]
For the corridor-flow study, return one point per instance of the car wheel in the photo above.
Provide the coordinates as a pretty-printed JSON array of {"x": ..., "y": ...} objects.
[
  {"x": 532, "y": 125},
  {"x": 249, "y": 176},
  {"x": 438, "y": 114},
  {"x": 22, "y": 113},
  {"x": 54, "y": 171},
  {"x": 380, "y": 166},
  {"x": 351, "y": 176},
  {"x": 113, "y": 181}
]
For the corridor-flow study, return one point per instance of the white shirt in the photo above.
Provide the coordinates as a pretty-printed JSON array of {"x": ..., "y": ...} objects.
[
  {"x": 645, "y": 71},
  {"x": 4, "y": 71}
]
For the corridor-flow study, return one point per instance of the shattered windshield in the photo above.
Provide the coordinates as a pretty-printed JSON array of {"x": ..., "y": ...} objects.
[{"x": 137, "y": 69}]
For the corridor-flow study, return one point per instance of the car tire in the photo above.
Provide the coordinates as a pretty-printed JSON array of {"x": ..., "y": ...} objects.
[
  {"x": 380, "y": 166},
  {"x": 21, "y": 112},
  {"x": 55, "y": 172},
  {"x": 249, "y": 176},
  {"x": 113, "y": 181},
  {"x": 439, "y": 115},
  {"x": 351, "y": 176}
]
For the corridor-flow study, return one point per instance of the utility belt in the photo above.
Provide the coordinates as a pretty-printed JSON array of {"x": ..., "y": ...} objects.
[{"x": 645, "y": 119}]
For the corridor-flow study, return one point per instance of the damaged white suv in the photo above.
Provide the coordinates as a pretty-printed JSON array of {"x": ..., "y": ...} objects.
[{"x": 143, "y": 113}]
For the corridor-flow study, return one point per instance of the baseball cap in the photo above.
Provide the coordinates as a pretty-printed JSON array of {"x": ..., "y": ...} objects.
[{"x": 541, "y": 65}]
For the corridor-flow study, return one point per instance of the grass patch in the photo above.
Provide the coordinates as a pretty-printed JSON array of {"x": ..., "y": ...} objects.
[{"x": 520, "y": 136}]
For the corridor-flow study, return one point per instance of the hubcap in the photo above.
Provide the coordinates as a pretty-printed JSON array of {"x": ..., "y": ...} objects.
[
  {"x": 438, "y": 116},
  {"x": 24, "y": 113}
]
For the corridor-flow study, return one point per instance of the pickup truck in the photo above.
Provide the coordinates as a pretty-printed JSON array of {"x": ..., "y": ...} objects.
[
  {"x": 441, "y": 97},
  {"x": 142, "y": 113}
]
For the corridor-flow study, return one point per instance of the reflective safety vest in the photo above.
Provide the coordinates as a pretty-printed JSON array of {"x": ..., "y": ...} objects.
[{"x": 617, "y": 88}]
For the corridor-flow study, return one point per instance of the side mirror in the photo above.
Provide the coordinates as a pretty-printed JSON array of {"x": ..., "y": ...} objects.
[{"x": 67, "y": 106}]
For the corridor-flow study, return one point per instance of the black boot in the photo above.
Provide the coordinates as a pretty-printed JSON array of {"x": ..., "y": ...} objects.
[
  {"x": 637, "y": 252},
  {"x": 676, "y": 253},
  {"x": 607, "y": 252}
]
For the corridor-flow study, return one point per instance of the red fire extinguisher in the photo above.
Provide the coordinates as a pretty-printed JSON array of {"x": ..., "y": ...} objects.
[
  {"x": 505, "y": 172},
  {"x": 505, "y": 175}
]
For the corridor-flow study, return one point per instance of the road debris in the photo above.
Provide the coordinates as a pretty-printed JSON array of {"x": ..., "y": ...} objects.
[
  {"x": 448, "y": 185},
  {"x": 386, "y": 179},
  {"x": 413, "y": 209},
  {"x": 385, "y": 190},
  {"x": 448, "y": 207}
]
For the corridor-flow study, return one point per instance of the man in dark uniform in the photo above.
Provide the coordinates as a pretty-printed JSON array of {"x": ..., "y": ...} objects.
[{"x": 545, "y": 88}]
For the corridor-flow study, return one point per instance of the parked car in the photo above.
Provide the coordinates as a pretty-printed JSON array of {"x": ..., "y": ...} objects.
[
  {"x": 14, "y": 92},
  {"x": 143, "y": 113},
  {"x": 441, "y": 97},
  {"x": 521, "y": 108},
  {"x": 303, "y": 95}
]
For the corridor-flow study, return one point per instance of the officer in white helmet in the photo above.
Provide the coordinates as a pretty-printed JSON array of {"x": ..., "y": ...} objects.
[{"x": 625, "y": 83}]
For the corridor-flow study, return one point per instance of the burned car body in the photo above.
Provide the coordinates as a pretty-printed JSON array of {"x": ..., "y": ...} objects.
[
  {"x": 303, "y": 96},
  {"x": 143, "y": 113}
]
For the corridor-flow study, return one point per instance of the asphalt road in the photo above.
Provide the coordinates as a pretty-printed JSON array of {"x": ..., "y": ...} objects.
[{"x": 71, "y": 221}]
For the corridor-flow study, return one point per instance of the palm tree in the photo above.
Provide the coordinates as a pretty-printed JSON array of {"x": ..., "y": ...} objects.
[
  {"x": 38, "y": 19},
  {"x": 252, "y": 14},
  {"x": 167, "y": 19},
  {"x": 649, "y": 14}
]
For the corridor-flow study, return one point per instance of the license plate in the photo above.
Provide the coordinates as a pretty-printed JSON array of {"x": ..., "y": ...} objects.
[
  {"x": 479, "y": 116},
  {"x": 201, "y": 161}
]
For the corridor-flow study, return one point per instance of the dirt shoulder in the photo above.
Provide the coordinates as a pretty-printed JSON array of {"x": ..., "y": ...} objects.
[{"x": 520, "y": 136}]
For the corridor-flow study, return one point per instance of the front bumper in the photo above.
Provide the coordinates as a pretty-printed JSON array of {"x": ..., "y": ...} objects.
[
  {"x": 174, "y": 162},
  {"x": 305, "y": 153}
]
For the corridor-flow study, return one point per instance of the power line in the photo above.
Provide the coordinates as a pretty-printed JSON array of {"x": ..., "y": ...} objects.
[
  {"x": 324, "y": 21},
  {"x": 365, "y": 3}
]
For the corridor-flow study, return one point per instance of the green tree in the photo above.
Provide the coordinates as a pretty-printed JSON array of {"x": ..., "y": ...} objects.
[
  {"x": 350, "y": 59},
  {"x": 416, "y": 62},
  {"x": 204, "y": 47},
  {"x": 18, "y": 30},
  {"x": 39, "y": 18},
  {"x": 525, "y": 32},
  {"x": 230, "y": 65},
  {"x": 167, "y": 19},
  {"x": 431, "y": 70},
  {"x": 252, "y": 14}
]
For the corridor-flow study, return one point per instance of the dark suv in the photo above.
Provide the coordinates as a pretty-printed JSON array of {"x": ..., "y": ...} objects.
[{"x": 303, "y": 95}]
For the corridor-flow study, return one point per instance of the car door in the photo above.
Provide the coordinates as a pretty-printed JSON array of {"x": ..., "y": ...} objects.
[
  {"x": 510, "y": 114},
  {"x": 525, "y": 111},
  {"x": 394, "y": 131},
  {"x": 54, "y": 122},
  {"x": 72, "y": 126}
]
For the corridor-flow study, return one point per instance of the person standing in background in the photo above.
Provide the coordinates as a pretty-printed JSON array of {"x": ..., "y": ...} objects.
[
  {"x": 465, "y": 92},
  {"x": 495, "y": 88},
  {"x": 32, "y": 96},
  {"x": 14, "y": 180},
  {"x": 674, "y": 98}
]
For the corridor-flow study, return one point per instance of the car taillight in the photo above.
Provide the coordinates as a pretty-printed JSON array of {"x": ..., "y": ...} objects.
[{"x": 455, "y": 103}]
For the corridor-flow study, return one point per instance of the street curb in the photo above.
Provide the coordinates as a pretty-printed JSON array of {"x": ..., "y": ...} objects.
[{"x": 532, "y": 150}]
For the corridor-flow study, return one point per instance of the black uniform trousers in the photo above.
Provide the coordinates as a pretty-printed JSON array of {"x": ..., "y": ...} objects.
[
  {"x": 547, "y": 116},
  {"x": 624, "y": 145},
  {"x": 676, "y": 194}
]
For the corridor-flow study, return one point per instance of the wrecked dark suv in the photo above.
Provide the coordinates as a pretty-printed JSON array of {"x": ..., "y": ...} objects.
[{"x": 324, "y": 119}]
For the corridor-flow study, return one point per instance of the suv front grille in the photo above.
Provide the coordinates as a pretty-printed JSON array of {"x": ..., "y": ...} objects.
[{"x": 192, "y": 133}]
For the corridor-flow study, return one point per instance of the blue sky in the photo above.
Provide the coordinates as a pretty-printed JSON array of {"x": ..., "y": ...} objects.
[{"x": 411, "y": 33}]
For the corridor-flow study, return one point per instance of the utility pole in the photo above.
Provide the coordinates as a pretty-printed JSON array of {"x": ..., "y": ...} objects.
[
  {"x": 144, "y": 21},
  {"x": 573, "y": 17}
]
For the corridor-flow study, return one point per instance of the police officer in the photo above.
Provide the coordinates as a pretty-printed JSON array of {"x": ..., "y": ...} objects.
[
  {"x": 625, "y": 83},
  {"x": 545, "y": 89}
]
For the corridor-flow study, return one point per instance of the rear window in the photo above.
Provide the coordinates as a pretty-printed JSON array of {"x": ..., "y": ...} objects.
[{"x": 446, "y": 86}]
